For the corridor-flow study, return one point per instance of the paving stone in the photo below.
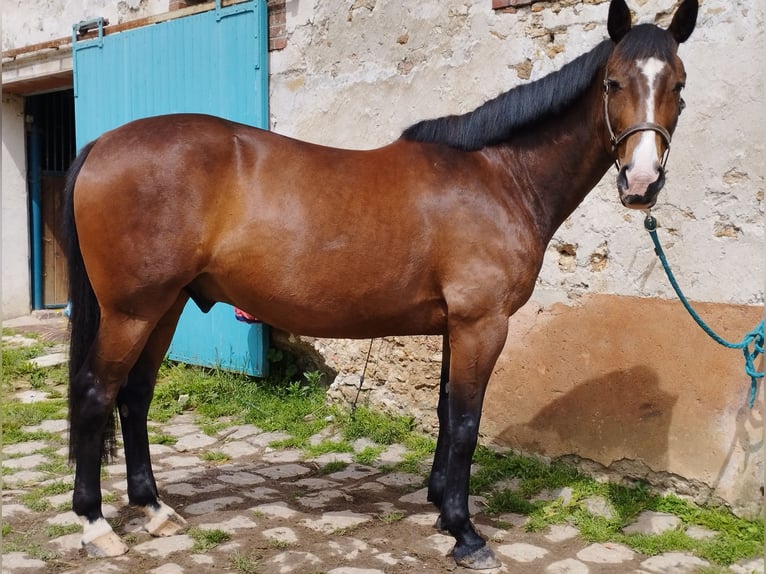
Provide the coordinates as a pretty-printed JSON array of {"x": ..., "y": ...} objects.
[
  {"x": 282, "y": 456},
  {"x": 180, "y": 429},
  {"x": 423, "y": 518},
  {"x": 567, "y": 566},
  {"x": 202, "y": 559},
  {"x": 748, "y": 567},
  {"x": 400, "y": 479},
  {"x": 315, "y": 483},
  {"x": 561, "y": 532},
  {"x": 266, "y": 438},
  {"x": 262, "y": 493},
  {"x": 330, "y": 457},
  {"x": 353, "y": 570},
  {"x": 674, "y": 563},
  {"x": 323, "y": 498},
  {"x": 362, "y": 443},
  {"x": 239, "y": 432},
  {"x": 14, "y": 510},
  {"x": 367, "y": 486},
  {"x": 394, "y": 454},
  {"x": 182, "y": 461},
  {"x": 158, "y": 450},
  {"x": 241, "y": 478},
  {"x": 188, "y": 489},
  {"x": 389, "y": 559},
  {"x": 516, "y": 520},
  {"x": 491, "y": 533},
  {"x": 599, "y": 506},
  {"x": 50, "y": 360},
  {"x": 348, "y": 548},
  {"x": 548, "y": 495},
  {"x": 31, "y": 396},
  {"x": 332, "y": 521},
  {"x": 417, "y": 497},
  {"x": 231, "y": 526},
  {"x": 14, "y": 560},
  {"x": 164, "y": 547},
  {"x": 57, "y": 500},
  {"x": 522, "y": 552},
  {"x": 700, "y": 533},
  {"x": 293, "y": 561},
  {"x": 28, "y": 447},
  {"x": 212, "y": 505},
  {"x": 650, "y": 522},
  {"x": 284, "y": 471},
  {"x": 18, "y": 341},
  {"x": 608, "y": 553},
  {"x": 276, "y": 510},
  {"x": 167, "y": 569},
  {"x": 281, "y": 534},
  {"x": 442, "y": 543},
  {"x": 239, "y": 449},
  {"x": 354, "y": 472},
  {"x": 67, "y": 543},
  {"x": 178, "y": 474},
  {"x": 194, "y": 441},
  {"x": 49, "y": 425}
]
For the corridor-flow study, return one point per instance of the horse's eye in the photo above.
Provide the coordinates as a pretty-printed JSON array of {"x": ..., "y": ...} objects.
[
  {"x": 678, "y": 87},
  {"x": 611, "y": 85}
]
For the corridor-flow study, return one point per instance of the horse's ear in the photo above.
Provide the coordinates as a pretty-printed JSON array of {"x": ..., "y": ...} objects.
[
  {"x": 619, "y": 21},
  {"x": 684, "y": 20}
]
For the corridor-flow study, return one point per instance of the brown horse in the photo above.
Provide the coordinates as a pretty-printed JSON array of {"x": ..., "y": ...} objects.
[{"x": 441, "y": 232}]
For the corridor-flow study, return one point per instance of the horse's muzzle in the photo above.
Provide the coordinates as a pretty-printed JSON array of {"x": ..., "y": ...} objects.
[{"x": 637, "y": 193}]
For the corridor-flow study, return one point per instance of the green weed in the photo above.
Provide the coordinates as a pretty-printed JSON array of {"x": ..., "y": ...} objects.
[{"x": 205, "y": 540}]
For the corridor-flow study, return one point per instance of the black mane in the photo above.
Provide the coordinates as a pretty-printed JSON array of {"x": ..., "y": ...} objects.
[{"x": 497, "y": 119}]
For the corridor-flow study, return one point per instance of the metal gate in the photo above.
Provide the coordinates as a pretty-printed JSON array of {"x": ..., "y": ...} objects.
[{"x": 211, "y": 62}]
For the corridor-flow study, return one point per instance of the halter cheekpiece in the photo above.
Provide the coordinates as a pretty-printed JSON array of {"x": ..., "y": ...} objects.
[{"x": 642, "y": 127}]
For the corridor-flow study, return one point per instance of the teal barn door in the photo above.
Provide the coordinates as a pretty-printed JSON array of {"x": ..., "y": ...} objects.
[{"x": 212, "y": 62}]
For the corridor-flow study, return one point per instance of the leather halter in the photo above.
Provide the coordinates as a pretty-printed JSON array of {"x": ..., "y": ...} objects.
[{"x": 642, "y": 127}]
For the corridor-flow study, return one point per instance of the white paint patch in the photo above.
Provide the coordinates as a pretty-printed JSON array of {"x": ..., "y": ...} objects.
[{"x": 645, "y": 157}]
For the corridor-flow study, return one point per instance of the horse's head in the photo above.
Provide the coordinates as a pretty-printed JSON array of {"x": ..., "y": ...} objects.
[{"x": 642, "y": 98}]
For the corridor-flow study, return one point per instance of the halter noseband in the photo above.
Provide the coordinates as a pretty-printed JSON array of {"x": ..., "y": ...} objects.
[{"x": 642, "y": 127}]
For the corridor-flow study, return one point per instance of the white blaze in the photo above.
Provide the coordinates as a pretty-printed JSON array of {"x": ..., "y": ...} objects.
[
  {"x": 645, "y": 161},
  {"x": 645, "y": 158}
]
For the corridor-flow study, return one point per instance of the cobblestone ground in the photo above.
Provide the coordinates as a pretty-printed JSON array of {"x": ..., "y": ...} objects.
[{"x": 284, "y": 514}]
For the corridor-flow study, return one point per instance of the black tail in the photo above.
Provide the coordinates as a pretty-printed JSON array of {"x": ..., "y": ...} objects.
[{"x": 84, "y": 311}]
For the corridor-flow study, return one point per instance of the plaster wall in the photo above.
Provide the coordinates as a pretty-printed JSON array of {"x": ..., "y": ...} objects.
[{"x": 15, "y": 233}]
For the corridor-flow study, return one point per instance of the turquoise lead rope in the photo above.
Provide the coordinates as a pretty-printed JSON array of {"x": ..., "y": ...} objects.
[{"x": 754, "y": 338}]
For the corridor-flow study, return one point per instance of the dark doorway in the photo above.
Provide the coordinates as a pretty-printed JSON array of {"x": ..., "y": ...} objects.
[{"x": 50, "y": 151}]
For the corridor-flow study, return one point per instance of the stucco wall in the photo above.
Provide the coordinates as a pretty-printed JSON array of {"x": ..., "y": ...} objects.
[{"x": 15, "y": 235}]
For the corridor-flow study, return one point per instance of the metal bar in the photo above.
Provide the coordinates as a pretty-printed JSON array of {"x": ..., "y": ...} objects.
[{"x": 35, "y": 207}]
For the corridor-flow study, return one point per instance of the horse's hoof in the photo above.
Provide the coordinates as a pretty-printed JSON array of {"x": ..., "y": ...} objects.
[
  {"x": 100, "y": 541},
  {"x": 163, "y": 521},
  {"x": 480, "y": 559}
]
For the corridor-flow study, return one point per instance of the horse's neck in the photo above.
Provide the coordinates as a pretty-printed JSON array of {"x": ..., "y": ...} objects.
[{"x": 556, "y": 166}]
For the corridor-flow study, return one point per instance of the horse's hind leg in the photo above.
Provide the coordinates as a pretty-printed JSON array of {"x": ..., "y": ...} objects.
[
  {"x": 133, "y": 406},
  {"x": 93, "y": 393}
]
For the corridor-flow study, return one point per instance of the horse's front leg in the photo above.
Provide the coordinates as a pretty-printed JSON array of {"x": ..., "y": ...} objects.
[
  {"x": 438, "y": 477},
  {"x": 475, "y": 347}
]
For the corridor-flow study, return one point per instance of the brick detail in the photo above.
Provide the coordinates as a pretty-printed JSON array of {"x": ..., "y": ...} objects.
[
  {"x": 504, "y": 4},
  {"x": 277, "y": 25},
  {"x": 178, "y": 4}
]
